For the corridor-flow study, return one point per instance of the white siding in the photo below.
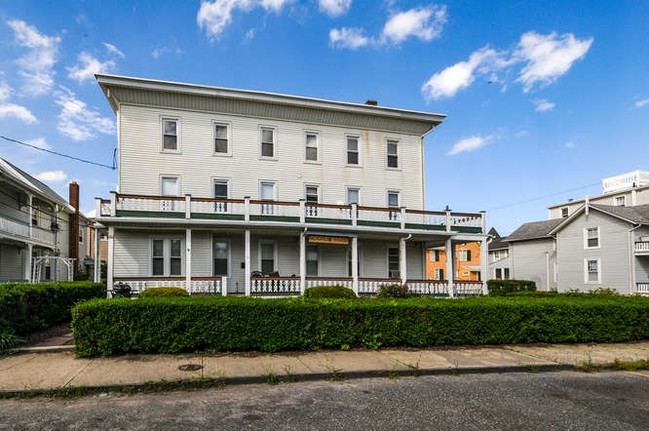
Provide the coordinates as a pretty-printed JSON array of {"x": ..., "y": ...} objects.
[
  {"x": 532, "y": 260},
  {"x": 613, "y": 253},
  {"x": 11, "y": 262},
  {"x": 142, "y": 162}
]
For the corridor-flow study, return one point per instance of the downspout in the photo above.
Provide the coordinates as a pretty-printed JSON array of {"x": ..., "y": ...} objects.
[
  {"x": 403, "y": 263},
  {"x": 632, "y": 273}
]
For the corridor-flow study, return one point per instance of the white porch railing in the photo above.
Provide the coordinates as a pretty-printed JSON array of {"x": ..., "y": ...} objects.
[
  {"x": 428, "y": 287},
  {"x": 642, "y": 246},
  {"x": 468, "y": 288},
  {"x": 21, "y": 229},
  {"x": 272, "y": 286},
  {"x": 371, "y": 286},
  {"x": 206, "y": 285},
  {"x": 297, "y": 212},
  {"x": 642, "y": 288},
  {"x": 329, "y": 281}
]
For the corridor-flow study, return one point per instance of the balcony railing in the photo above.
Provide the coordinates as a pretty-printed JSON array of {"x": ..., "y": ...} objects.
[
  {"x": 642, "y": 247},
  {"x": 21, "y": 229},
  {"x": 188, "y": 207},
  {"x": 642, "y": 288},
  {"x": 198, "y": 285}
]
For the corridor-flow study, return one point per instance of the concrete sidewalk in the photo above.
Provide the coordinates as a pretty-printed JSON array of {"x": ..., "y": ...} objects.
[{"x": 48, "y": 369}]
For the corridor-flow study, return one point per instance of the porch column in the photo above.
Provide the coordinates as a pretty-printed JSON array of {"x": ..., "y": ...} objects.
[
  {"x": 246, "y": 260},
  {"x": 450, "y": 266},
  {"x": 97, "y": 268},
  {"x": 302, "y": 262},
  {"x": 28, "y": 262},
  {"x": 484, "y": 265},
  {"x": 30, "y": 210},
  {"x": 188, "y": 260},
  {"x": 355, "y": 264},
  {"x": 111, "y": 257},
  {"x": 402, "y": 260}
]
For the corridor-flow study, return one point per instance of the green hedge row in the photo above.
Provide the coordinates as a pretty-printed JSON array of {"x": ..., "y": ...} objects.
[
  {"x": 172, "y": 325},
  {"x": 505, "y": 287},
  {"x": 27, "y": 308}
]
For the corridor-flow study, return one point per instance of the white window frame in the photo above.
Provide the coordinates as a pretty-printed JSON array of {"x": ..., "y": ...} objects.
[
  {"x": 621, "y": 199},
  {"x": 229, "y": 258},
  {"x": 396, "y": 142},
  {"x": 311, "y": 209},
  {"x": 464, "y": 255},
  {"x": 599, "y": 238},
  {"x": 387, "y": 261},
  {"x": 438, "y": 274},
  {"x": 565, "y": 212},
  {"x": 261, "y": 184},
  {"x": 599, "y": 271},
  {"x": 169, "y": 205},
  {"x": 221, "y": 207},
  {"x": 166, "y": 255},
  {"x": 358, "y": 150},
  {"x": 162, "y": 135},
  {"x": 317, "y": 261},
  {"x": 358, "y": 191},
  {"x": 228, "y": 127},
  {"x": 261, "y": 142},
  {"x": 306, "y": 147},
  {"x": 275, "y": 254},
  {"x": 435, "y": 255}
]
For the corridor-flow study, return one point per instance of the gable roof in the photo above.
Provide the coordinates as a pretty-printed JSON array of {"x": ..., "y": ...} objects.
[
  {"x": 497, "y": 242},
  {"x": 18, "y": 176},
  {"x": 534, "y": 230},
  {"x": 638, "y": 214}
]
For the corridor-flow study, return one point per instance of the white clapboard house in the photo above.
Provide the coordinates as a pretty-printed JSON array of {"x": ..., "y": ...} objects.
[{"x": 230, "y": 191}]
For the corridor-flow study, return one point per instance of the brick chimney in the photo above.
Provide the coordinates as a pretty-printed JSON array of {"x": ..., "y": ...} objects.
[{"x": 74, "y": 225}]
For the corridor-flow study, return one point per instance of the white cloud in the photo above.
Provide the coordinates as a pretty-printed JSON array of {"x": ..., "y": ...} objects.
[
  {"x": 548, "y": 57},
  {"x": 88, "y": 66},
  {"x": 52, "y": 176},
  {"x": 542, "y": 105},
  {"x": 570, "y": 144},
  {"x": 90, "y": 214},
  {"x": 5, "y": 91},
  {"x": 544, "y": 59},
  {"x": 214, "y": 16},
  {"x": 335, "y": 7},
  {"x": 40, "y": 143},
  {"x": 642, "y": 103},
  {"x": 36, "y": 66},
  {"x": 350, "y": 38},
  {"x": 17, "y": 111},
  {"x": 424, "y": 23},
  {"x": 459, "y": 76},
  {"x": 114, "y": 50},
  {"x": 471, "y": 143},
  {"x": 79, "y": 122},
  {"x": 163, "y": 50}
]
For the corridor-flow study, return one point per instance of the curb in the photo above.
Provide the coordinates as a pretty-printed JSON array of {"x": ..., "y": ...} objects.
[{"x": 43, "y": 349}]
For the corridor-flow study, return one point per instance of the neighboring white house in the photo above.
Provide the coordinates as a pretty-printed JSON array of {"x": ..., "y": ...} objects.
[
  {"x": 600, "y": 242},
  {"x": 34, "y": 229},
  {"x": 224, "y": 191},
  {"x": 499, "y": 261}
]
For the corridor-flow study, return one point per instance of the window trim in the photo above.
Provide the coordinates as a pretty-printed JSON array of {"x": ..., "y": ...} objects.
[
  {"x": 317, "y": 261},
  {"x": 396, "y": 142},
  {"x": 387, "y": 260},
  {"x": 178, "y": 134},
  {"x": 599, "y": 271},
  {"x": 567, "y": 210},
  {"x": 168, "y": 176},
  {"x": 438, "y": 274},
  {"x": 275, "y": 192},
  {"x": 317, "y": 160},
  {"x": 357, "y": 189},
  {"x": 166, "y": 255},
  {"x": 358, "y": 150},
  {"x": 586, "y": 238},
  {"x": 622, "y": 198},
  {"x": 229, "y": 138},
  {"x": 229, "y": 262},
  {"x": 275, "y": 254},
  {"x": 261, "y": 142}
]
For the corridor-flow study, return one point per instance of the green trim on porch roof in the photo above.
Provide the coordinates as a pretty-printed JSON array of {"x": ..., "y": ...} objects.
[
  {"x": 216, "y": 216},
  {"x": 425, "y": 226},
  {"x": 378, "y": 223},
  {"x": 468, "y": 229},
  {"x": 154, "y": 214},
  {"x": 274, "y": 218},
  {"x": 328, "y": 220}
]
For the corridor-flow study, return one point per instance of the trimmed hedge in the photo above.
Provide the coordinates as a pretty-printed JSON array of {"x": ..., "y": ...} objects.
[
  {"x": 393, "y": 291},
  {"x": 329, "y": 292},
  {"x": 505, "y": 287},
  {"x": 163, "y": 291},
  {"x": 27, "y": 308},
  {"x": 173, "y": 325}
]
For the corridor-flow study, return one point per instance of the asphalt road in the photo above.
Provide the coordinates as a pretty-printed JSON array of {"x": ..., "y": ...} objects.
[{"x": 515, "y": 401}]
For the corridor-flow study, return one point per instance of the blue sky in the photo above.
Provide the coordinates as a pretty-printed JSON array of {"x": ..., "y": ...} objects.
[{"x": 544, "y": 98}]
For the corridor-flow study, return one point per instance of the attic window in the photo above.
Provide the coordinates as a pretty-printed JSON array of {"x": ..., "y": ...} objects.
[{"x": 564, "y": 212}]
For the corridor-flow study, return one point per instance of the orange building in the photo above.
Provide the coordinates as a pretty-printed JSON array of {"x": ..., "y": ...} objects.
[{"x": 467, "y": 262}]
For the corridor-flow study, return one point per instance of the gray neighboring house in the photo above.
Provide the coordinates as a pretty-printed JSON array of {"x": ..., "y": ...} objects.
[
  {"x": 499, "y": 262},
  {"x": 602, "y": 246},
  {"x": 533, "y": 253}
]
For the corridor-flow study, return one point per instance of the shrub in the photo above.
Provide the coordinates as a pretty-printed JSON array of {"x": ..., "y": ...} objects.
[
  {"x": 506, "y": 287},
  {"x": 393, "y": 291},
  {"x": 163, "y": 291},
  {"x": 332, "y": 292},
  {"x": 27, "y": 308},
  {"x": 116, "y": 326}
]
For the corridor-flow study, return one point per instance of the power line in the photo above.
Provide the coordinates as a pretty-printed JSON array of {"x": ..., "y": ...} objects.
[
  {"x": 541, "y": 197},
  {"x": 90, "y": 162}
]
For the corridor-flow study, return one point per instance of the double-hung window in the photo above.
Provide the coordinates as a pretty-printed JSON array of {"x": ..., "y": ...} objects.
[
  {"x": 464, "y": 255},
  {"x": 267, "y": 142},
  {"x": 268, "y": 257},
  {"x": 166, "y": 257},
  {"x": 311, "y": 198},
  {"x": 392, "y": 150},
  {"x": 353, "y": 195},
  {"x": 592, "y": 271},
  {"x": 267, "y": 193},
  {"x": 438, "y": 274},
  {"x": 169, "y": 186},
  {"x": 393, "y": 202},
  {"x": 312, "y": 261},
  {"x": 353, "y": 157},
  {"x": 435, "y": 256},
  {"x": 591, "y": 237},
  {"x": 311, "y": 150},
  {"x": 620, "y": 201},
  {"x": 220, "y": 255},
  {"x": 393, "y": 262},
  {"x": 221, "y": 139},
  {"x": 169, "y": 134},
  {"x": 221, "y": 192}
]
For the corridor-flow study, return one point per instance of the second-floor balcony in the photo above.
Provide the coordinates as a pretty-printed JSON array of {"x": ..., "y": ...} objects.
[
  {"x": 262, "y": 211},
  {"x": 642, "y": 248},
  {"x": 20, "y": 230}
]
